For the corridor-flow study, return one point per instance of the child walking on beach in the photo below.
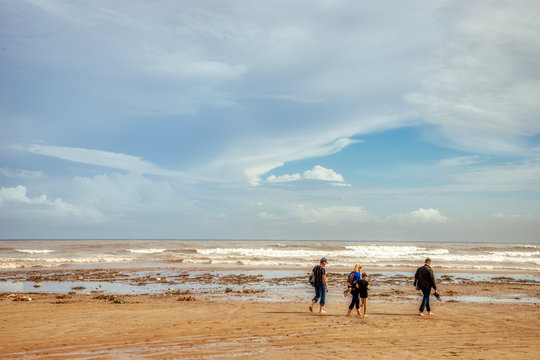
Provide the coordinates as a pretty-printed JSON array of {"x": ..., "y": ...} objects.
[{"x": 363, "y": 287}]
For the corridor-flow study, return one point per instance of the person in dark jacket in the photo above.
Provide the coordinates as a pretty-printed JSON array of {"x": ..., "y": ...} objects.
[{"x": 425, "y": 280}]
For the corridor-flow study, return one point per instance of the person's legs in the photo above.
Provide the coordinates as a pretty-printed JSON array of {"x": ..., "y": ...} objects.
[
  {"x": 354, "y": 302},
  {"x": 322, "y": 291},
  {"x": 425, "y": 300},
  {"x": 316, "y": 298},
  {"x": 364, "y": 304},
  {"x": 351, "y": 305}
]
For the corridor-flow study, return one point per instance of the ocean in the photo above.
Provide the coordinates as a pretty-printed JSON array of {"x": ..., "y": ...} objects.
[
  {"x": 256, "y": 270},
  {"x": 47, "y": 254}
]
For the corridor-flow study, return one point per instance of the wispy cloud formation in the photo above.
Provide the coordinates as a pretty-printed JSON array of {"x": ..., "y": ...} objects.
[
  {"x": 100, "y": 158},
  {"x": 24, "y": 174},
  {"x": 484, "y": 88}
]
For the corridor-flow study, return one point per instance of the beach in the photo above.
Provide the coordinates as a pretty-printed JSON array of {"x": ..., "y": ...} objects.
[
  {"x": 170, "y": 326},
  {"x": 249, "y": 299}
]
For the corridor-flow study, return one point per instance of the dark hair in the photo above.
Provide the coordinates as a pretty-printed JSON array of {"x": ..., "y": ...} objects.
[
  {"x": 428, "y": 260},
  {"x": 364, "y": 274}
]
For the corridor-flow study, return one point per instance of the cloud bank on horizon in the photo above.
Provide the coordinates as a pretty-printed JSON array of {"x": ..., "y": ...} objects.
[{"x": 308, "y": 120}]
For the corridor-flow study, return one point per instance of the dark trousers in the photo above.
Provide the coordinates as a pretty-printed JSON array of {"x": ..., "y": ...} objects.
[
  {"x": 355, "y": 299},
  {"x": 425, "y": 300}
]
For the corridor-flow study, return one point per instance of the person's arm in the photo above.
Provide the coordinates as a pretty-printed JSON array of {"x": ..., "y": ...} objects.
[
  {"x": 416, "y": 279},
  {"x": 433, "y": 285},
  {"x": 325, "y": 282}
]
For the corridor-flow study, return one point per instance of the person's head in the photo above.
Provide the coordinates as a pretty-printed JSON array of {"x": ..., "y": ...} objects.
[
  {"x": 324, "y": 261},
  {"x": 364, "y": 275},
  {"x": 357, "y": 268},
  {"x": 427, "y": 261}
]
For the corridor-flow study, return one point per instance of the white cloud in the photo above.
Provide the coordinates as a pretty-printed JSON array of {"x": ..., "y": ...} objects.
[
  {"x": 323, "y": 174},
  {"x": 421, "y": 216},
  {"x": 484, "y": 89},
  {"x": 316, "y": 173},
  {"x": 283, "y": 178},
  {"x": 18, "y": 194},
  {"x": 14, "y": 200}
]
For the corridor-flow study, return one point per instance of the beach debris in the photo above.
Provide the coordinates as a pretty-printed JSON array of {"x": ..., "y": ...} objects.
[
  {"x": 78, "y": 288},
  {"x": 106, "y": 297},
  {"x": 178, "y": 292},
  {"x": 187, "y": 298},
  {"x": 114, "y": 299},
  {"x": 447, "y": 278},
  {"x": 22, "y": 298},
  {"x": 251, "y": 291},
  {"x": 228, "y": 290},
  {"x": 64, "y": 296},
  {"x": 118, "y": 301},
  {"x": 37, "y": 285}
]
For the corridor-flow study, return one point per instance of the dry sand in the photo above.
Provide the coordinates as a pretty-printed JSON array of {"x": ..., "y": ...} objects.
[{"x": 162, "y": 327}]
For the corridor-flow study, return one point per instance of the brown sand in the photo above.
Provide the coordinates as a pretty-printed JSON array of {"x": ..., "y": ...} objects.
[{"x": 162, "y": 327}]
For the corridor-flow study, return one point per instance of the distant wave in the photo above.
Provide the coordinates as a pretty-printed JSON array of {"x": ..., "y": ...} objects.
[
  {"x": 30, "y": 251},
  {"x": 146, "y": 251},
  {"x": 14, "y": 263}
]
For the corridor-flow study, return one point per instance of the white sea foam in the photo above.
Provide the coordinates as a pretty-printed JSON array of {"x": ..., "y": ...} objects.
[
  {"x": 146, "y": 251},
  {"x": 367, "y": 252},
  {"x": 31, "y": 251},
  {"x": 390, "y": 255},
  {"x": 394, "y": 252},
  {"x": 56, "y": 260}
]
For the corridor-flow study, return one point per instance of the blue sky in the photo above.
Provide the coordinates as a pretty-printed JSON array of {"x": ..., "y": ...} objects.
[{"x": 411, "y": 120}]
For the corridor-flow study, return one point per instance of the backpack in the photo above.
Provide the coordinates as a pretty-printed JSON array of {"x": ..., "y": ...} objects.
[
  {"x": 350, "y": 279},
  {"x": 312, "y": 280}
]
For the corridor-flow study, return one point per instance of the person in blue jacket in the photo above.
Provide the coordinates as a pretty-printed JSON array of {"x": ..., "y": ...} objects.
[{"x": 355, "y": 290}]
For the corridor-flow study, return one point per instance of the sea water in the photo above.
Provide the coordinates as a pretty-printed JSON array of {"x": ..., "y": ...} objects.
[{"x": 43, "y": 254}]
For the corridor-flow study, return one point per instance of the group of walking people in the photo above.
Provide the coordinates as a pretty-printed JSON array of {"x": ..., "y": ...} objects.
[{"x": 358, "y": 286}]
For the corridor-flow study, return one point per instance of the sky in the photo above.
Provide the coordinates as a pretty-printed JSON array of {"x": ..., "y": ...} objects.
[{"x": 290, "y": 120}]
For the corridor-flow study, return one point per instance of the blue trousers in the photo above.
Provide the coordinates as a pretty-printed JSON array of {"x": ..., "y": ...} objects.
[
  {"x": 425, "y": 299},
  {"x": 355, "y": 299},
  {"x": 320, "y": 292}
]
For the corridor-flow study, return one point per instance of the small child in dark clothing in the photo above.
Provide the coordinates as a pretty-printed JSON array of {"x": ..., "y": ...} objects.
[{"x": 363, "y": 286}]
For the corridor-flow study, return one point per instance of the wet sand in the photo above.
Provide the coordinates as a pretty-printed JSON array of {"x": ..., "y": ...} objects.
[{"x": 174, "y": 326}]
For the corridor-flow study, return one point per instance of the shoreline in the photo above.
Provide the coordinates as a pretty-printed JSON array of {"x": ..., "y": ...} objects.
[{"x": 265, "y": 285}]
